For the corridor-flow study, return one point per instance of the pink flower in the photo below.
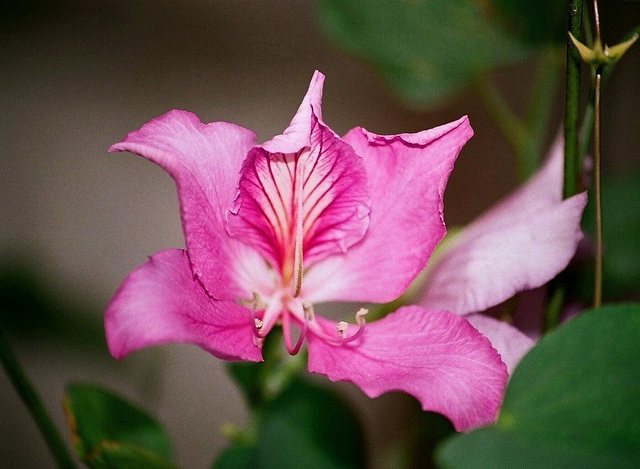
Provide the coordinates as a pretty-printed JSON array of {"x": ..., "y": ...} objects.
[
  {"x": 308, "y": 217},
  {"x": 519, "y": 244}
]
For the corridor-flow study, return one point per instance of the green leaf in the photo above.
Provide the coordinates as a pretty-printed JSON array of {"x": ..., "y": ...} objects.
[
  {"x": 310, "y": 426},
  {"x": 424, "y": 50},
  {"x": 620, "y": 225},
  {"x": 574, "y": 401},
  {"x": 123, "y": 456},
  {"x": 106, "y": 429},
  {"x": 304, "y": 426}
]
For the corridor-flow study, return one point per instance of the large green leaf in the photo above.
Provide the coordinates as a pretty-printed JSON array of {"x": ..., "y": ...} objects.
[
  {"x": 304, "y": 426},
  {"x": 574, "y": 401},
  {"x": 426, "y": 50},
  {"x": 108, "y": 432}
]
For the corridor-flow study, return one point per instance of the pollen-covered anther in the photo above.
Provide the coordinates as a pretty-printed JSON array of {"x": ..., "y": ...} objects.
[
  {"x": 307, "y": 308},
  {"x": 257, "y": 302},
  {"x": 362, "y": 312},
  {"x": 342, "y": 328},
  {"x": 258, "y": 323}
]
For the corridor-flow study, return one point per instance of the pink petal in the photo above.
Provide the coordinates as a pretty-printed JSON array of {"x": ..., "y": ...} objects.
[
  {"x": 520, "y": 244},
  {"x": 407, "y": 175},
  {"x": 436, "y": 356},
  {"x": 205, "y": 161},
  {"x": 161, "y": 302},
  {"x": 510, "y": 343},
  {"x": 296, "y": 136},
  {"x": 317, "y": 198}
]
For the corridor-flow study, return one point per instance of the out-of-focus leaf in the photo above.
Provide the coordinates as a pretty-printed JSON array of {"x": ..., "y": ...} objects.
[
  {"x": 542, "y": 21},
  {"x": 621, "y": 235},
  {"x": 425, "y": 50},
  {"x": 304, "y": 426},
  {"x": 573, "y": 401},
  {"x": 310, "y": 426},
  {"x": 238, "y": 456},
  {"x": 106, "y": 430},
  {"x": 109, "y": 455},
  {"x": 262, "y": 382}
]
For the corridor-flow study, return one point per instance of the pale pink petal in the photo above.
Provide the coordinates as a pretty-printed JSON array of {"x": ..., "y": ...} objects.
[
  {"x": 296, "y": 136},
  {"x": 510, "y": 343},
  {"x": 407, "y": 175},
  {"x": 161, "y": 302},
  {"x": 436, "y": 356},
  {"x": 316, "y": 199},
  {"x": 205, "y": 161},
  {"x": 520, "y": 244}
]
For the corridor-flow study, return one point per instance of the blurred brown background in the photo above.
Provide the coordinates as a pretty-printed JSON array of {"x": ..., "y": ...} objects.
[{"x": 77, "y": 76}]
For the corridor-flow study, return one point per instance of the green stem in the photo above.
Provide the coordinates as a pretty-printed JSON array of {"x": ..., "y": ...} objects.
[
  {"x": 508, "y": 123},
  {"x": 539, "y": 106},
  {"x": 572, "y": 161},
  {"x": 524, "y": 136},
  {"x": 597, "y": 284},
  {"x": 33, "y": 402}
]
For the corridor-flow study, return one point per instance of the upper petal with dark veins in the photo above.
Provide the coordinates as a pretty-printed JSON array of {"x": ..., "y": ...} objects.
[
  {"x": 316, "y": 198},
  {"x": 407, "y": 175}
]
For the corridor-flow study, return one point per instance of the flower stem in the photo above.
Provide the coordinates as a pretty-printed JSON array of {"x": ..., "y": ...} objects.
[
  {"x": 33, "y": 402},
  {"x": 572, "y": 163},
  {"x": 540, "y": 104},
  {"x": 597, "y": 284},
  {"x": 597, "y": 278}
]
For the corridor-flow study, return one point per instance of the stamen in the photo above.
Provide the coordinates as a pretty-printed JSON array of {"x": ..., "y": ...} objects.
[
  {"x": 307, "y": 309},
  {"x": 341, "y": 329},
  {"x": 298, "y": 236},
  {"x": 286, "y": 332},
  {"x": 362, "y": 312}
]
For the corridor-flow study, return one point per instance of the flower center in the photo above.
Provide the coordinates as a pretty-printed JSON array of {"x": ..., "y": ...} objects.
[{"x": 289, "y": 311}]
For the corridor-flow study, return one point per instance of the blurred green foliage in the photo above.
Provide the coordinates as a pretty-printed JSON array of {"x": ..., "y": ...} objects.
[
  {"x": 293, "y": 421},
  {"x": 428, "y": 50}
]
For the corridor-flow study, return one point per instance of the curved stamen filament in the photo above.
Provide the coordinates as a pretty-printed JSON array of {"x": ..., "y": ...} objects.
[
  {"x": 341, "y": 330},
  {"x": 286, "y": 332},
  {"x": 261, "y": 327}
]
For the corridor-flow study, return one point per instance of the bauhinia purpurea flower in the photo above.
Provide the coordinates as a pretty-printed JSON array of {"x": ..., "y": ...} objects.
[{"x": 308, "y": 217}]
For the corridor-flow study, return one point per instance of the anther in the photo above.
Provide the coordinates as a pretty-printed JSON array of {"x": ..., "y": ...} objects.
[
  {"x": 307, "y": 308},
  {"x": 360, "y": 316}
]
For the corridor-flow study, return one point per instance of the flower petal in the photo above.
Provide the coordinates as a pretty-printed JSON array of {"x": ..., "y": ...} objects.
[
  {"x": 205, "y": 161},
  {"x": 316, "y": 198},
  {"x": 510, "y": 343},
  {"x": 296, "y": 136},
  {"x": 407, "y": 175},
  {"x": 436, "y": 356},
  {"x": 520, "y": 244},
  {"x": 161, "y": 302}
]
